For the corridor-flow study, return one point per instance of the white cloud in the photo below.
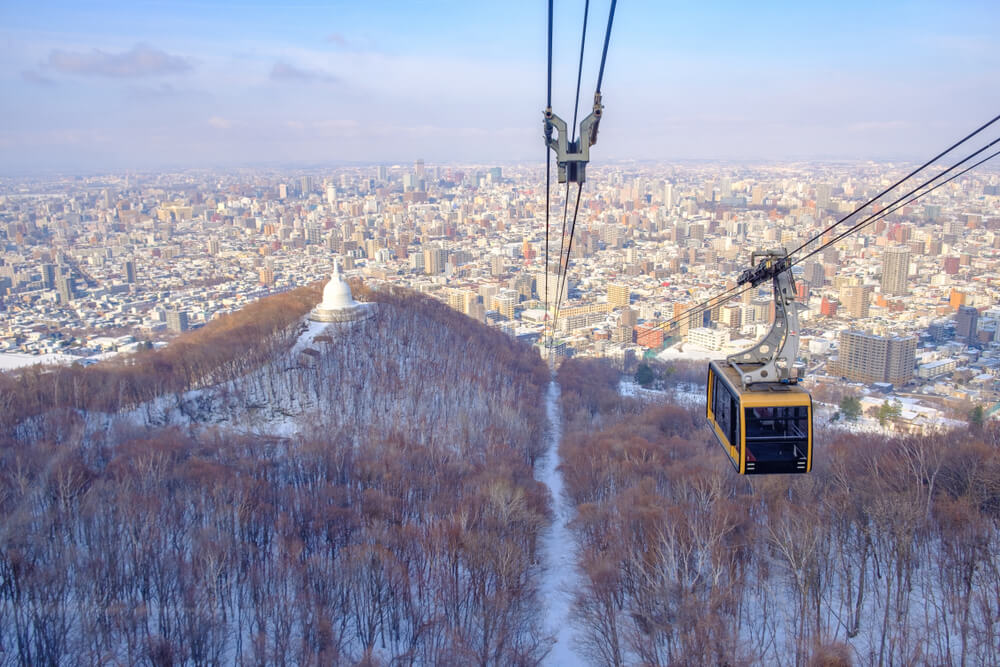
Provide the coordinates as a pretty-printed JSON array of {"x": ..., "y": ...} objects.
[
  {"x": 284, "y": 72},
  {"x": 141, "y": 60}
]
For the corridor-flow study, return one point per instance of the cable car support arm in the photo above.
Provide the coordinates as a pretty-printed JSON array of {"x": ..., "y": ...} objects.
[
  {"x": 777, "y": 351},
  {"x": 572, "y": 156}
]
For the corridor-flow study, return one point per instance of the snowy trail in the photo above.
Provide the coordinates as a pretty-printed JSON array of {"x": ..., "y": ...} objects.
[{"x": 558, "y": 552}]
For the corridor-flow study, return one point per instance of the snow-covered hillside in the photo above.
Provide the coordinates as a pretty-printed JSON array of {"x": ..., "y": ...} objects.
[{"x": 363, "y": 493}]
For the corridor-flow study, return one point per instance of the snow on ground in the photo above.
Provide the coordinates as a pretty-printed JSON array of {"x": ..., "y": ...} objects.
[
  {"x": 559, "y": 578},
  {"x": 11, "y": 360},
  {"x": 633, "y": 389},
  {"x": 687, "y": 351},
  {"x": 685, "y": 394},
  {"x": 311, "y": 330},
  {"x": 210, "y": 406},
  {"x": 694, "y": 352}
]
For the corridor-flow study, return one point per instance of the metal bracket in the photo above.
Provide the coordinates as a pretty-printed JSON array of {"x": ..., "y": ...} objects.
[
  {"x": 777, "y": 351},
  {"x": 572, "y": 156}
]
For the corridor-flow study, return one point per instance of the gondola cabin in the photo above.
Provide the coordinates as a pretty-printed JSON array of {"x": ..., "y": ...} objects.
[{"x": 765, "y": 428}]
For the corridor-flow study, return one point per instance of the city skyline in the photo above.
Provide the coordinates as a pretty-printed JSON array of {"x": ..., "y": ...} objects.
[{"x": 206, "y": 84}]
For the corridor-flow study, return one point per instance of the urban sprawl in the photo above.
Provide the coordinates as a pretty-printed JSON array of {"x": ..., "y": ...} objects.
[{"x": 904, "y": 313}]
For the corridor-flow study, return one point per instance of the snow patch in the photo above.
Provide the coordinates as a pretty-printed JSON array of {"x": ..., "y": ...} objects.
[
  {"x": 560, "y": 578},
  {"x": 684, "y": 394}
]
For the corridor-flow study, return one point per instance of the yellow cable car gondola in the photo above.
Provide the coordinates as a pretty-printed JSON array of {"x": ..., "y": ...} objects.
[
  {"x": 765, "y": 428},
  {"x": 759, "y": 414}
]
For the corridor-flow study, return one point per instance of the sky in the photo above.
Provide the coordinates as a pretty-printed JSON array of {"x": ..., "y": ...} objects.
[{"x": 102, "y": 86}]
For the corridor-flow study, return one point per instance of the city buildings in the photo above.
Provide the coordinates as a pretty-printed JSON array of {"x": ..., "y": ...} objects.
[
  {"x": 177, "y": 321},
  {"x": 895, "y": 270},
  {"x": 966, "y": 323},
  {"x": 618, "y": 295},
  {"x": 106, "y": 256},
  {"x": 869, "y": 358}
]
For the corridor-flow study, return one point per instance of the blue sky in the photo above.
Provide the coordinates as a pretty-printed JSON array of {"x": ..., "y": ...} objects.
[{"x": 111, "y": 85}]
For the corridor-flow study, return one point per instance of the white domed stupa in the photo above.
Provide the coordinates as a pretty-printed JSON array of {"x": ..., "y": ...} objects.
[{"x": 338, "y": 304}]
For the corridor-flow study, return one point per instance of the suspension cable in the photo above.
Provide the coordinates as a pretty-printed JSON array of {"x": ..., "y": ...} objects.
[
  {"x": 562, "y": 245},
  {"x": 562, "y": 284},
  {"x": 707, "y": 304},
  {"x": 548, "y": 180},
  {"x": 897, "y": 204},
  {"x": 579, "y": 70},
  {"x": 562, "y": 270},
  {"x": 548, "y": 97},
  {"x": 607, "y": 40},
  {"x": 899, "y": 182}
]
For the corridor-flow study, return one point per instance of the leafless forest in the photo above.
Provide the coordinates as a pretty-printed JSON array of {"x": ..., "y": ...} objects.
[
  {"x": 218, "y": 502},
  {"x": 885, "y": 555}
]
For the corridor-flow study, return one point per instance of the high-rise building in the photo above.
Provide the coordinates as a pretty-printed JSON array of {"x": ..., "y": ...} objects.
[
  {"x": 668, "y": 195},
  {"x": 419, "y": 176},
  {"x": 867, "y": 358},
  {"x": 177, "y": 320},
  {"x": 895, "y": 269},
  {"x": 814, "y": 274},
  {"x": 282, "y": 191},
  {"x": 129, "y": 270},
  {"x": 552, "y": 286},
  {"x": 266, "y": 276},
  {"x": 731, "y": 317},
  {"x": 48, "y": 276},
  {"x": 966, "y": 323},
  {"x": 823, "y": 191},
  {"x": 456, "y": 300},
  {"x": 505, "y": 302},
  {"x": 66, "y": 286},
  {"x": 496, "y": 265},
  {"x": 619, "y": 296},
  {"x": 855, "y": 299},
  {"x": 314, "y": 234},
  {"x": 524, "y": 285},
  {"x": 901, "y": 359},
  {"x": 685, "y": 322},
  {"x": 435, "y": 260}
]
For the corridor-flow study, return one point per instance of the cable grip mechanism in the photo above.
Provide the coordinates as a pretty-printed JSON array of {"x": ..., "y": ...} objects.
[
  {"x": 773, "y": 358},
  {"x": 572, "y": 156}
]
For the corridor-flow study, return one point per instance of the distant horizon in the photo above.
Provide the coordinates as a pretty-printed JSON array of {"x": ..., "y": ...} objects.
[
  {"x": 992, "y": 167},
  {"x": 597, "y": 161},
  {"x": 109, "y": 85}
]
